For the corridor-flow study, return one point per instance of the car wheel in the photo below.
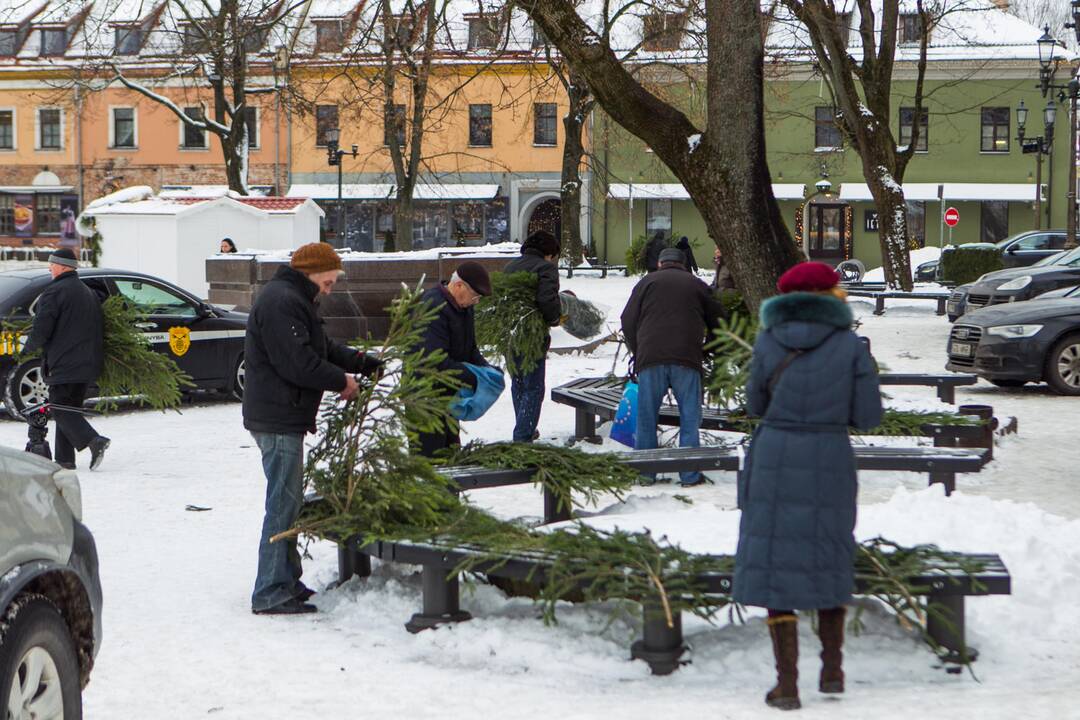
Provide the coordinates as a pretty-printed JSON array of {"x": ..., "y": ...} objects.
[
  {"x": 25, "y": 388},
  {"x": 39, "y": 671},
  {"x": 236, "y": 388},
  {"x": 1008, "y": 383},
  {"x": 1063, "y": 366}
]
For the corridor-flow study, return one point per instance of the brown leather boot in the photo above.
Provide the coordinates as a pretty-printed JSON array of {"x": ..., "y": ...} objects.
[
  {"x": 784, "y": 630},
  {"x": 831, "y": 632}
]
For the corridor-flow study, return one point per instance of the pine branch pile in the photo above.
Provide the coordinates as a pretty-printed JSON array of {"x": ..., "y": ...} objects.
[
  {"x": 730, "y": 353},
  {"x": 898, "y": 423},
  {"x": 509, "y": 324}
]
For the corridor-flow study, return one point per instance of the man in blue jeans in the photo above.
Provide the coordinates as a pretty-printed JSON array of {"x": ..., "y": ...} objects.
[
  {"x": 290, "y": 363},
  {"x": 667, "y": 321}
]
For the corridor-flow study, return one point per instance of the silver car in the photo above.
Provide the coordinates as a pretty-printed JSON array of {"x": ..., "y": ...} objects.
[{"x": 50, "y": 593}]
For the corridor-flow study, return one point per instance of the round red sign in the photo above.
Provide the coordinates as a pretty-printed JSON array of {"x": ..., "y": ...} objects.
[{"x": 952, "y": 217}]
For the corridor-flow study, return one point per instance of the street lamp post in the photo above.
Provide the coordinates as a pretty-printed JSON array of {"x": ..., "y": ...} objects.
[
  {"x": 1069, "y": 91},
  {"x": 1039, "y": 145},
  {"x": 333, "y": 157}
]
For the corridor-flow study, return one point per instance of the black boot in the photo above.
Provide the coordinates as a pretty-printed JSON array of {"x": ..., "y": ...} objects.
[
  {"x": 784, "y": 630},
  {"x": 831, "y": 632},
  {"x": 98, "y": 446}
]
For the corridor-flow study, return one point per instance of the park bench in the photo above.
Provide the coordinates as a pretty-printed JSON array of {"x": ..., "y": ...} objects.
[
  {"x": 944, "y": 585},
  {"x": 602, "y": 267},
  {"x": 880, "y": 296}
]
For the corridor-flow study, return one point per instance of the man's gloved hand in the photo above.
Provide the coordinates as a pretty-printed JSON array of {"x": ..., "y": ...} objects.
[{"x": 351, "y": 387}]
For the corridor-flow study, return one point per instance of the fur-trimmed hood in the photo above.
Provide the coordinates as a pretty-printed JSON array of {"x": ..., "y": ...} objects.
[{"x": 804, "y": 320}]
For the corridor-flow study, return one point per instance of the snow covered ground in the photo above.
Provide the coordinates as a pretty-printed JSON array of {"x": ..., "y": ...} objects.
[{"x": 180, "y": 641}]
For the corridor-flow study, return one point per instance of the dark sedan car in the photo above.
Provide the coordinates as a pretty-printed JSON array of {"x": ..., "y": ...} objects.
[
  {"x": 957, "y": 304},
  {"x": 1016, "y": 284},
  {"x": 1031, "y": 341},
  {"x": 1027, "y": 248},
  {"x": 206, "y": 342}
]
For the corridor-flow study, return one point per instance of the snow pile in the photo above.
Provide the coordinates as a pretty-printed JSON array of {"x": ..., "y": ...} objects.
[
  {"x": 918, "y": 257},
  {"x": 84, "y": 224}
]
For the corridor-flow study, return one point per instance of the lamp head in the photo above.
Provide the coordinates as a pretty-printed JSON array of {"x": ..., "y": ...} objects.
[{"x": 1047, "y": 44}]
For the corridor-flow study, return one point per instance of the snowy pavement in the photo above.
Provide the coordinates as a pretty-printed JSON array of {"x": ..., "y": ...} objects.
[{"x": 180, "y": 641}]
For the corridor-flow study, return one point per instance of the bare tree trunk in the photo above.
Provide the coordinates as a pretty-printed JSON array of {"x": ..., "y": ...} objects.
[
  {"x": 403, "y": 220},
  {"x": 573, "y": 153}
]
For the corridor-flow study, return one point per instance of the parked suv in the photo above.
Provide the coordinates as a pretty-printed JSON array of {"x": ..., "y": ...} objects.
[
  {"x": 957, "y": 304},
  {"x": 50, "y": 594},
  {"x": 1028, "y": 248}
]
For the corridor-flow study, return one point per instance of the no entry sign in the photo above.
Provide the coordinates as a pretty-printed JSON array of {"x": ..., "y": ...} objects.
[{"x": 952, "y": 217}]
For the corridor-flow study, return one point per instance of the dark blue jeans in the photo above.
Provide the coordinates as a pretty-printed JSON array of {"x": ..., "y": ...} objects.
[
  {"x": 278, "y": 578},
  {"x": 653, "y": 384},
  {"x": 528, "y": 393}
]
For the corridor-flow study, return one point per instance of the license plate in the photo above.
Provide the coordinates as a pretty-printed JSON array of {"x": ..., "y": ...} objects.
[
  {"x": 962, "y": 349},
  {"x": 951, "y": 308}
]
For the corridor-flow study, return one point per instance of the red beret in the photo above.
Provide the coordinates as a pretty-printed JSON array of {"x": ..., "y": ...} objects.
[{"x": 808, "y": 277}]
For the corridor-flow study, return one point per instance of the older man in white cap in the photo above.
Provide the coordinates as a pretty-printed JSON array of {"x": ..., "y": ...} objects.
[{"x": 68, "y": 329}]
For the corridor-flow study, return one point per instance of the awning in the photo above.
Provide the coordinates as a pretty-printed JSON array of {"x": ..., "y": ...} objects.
[
  {"x": 675, "y": 191},
  {"x": 386, "y": 191},
  {"x": 1012, "y": 192},
  {"x": 856, "y": 192},
  {"x": 34, "y": 189}
]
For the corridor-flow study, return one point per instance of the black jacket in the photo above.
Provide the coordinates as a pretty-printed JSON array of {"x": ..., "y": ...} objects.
[
  {"x": 691, "y": 261},
  {"x": 289, "y": 361},
  {"x": 454, "y": 332},
  {"x": 69, "y": 327},
  {"x": 547, "y": 286},
  {"x": 652, "y": 253},
  {"x": 666, "y": 319}
]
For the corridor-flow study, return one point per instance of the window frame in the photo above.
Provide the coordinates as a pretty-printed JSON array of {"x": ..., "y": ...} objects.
[
  {"x": 7, "y": 213},
  {"x": 320, "y": 142},
  {"x": 650, "y": 231},
  {"x": 134, "y": 127},
  {"x": 985, "y": 205},
  {"x": 908, "y": 29},
  {"x": 38, "y": 146},
  {"x": 669, "y": 37},
  {"x": 829, "y": 126},
  {"x": 490, "y": 126},
  {"x": 42, "y": 47},
  {"x": 135, "y": 31},
  {"x": 536, "y": 124},
  {"x": 1006, "y": 113},
  {"x": 188, "y": 303},
  {"x": 493, "y": 28},
  {"x": 41, "y": 212},
  {"x": 257, "y": 144},
  {"x": 14, "y": 35},
  {"x": 183, "y": 132},
  {"x": 924, "y": 134},
  {"x": 191, "y": 40},
  {"x": 14, "y": 128},
  {"x": 919, "y": 205},
  {"x": 329, "y": 45}
]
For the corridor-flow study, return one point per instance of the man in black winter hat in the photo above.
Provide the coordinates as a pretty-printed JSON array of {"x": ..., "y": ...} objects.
[{"x": 68, "y": 329}]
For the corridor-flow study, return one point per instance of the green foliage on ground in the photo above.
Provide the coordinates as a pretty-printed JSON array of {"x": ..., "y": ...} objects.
[
  {"x": 509, "y": 323},
  {"x": 965, "y": 264}
]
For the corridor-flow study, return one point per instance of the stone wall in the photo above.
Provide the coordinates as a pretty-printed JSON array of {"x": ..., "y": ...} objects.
[{"x": 357, "y": 307}]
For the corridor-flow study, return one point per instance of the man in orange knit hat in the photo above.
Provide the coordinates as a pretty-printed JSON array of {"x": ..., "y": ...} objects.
[{"x": 289, "y": 364}]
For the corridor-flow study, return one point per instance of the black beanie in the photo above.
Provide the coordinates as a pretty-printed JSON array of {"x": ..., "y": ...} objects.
[{"x": 544, "y": 242}]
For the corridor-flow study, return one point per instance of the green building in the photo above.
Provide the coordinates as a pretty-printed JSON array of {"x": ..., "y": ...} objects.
[{"x": 981, "y": 66}]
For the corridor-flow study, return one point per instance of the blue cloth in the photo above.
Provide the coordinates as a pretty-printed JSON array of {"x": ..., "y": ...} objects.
[
  {"x": 528, "y": 393},
  {"x": 653, "y": 384},
  {"x": 278, "y": 577},
  {"x": 624, "y": 428},
  {"x": 470, "y": 404},
  {"x": 798, "y": 489}
]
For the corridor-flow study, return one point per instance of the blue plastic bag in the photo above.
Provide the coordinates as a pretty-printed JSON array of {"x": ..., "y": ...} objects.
[
  {"x": 471, "y": 404},
  {"x": 624, "y": 429}
]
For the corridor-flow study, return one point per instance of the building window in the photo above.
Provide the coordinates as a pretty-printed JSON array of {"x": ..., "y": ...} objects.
[
  {"x": 910, "y": 29},
  {"x": 404, "y": 31},
  {"x": 7, "y": 214},
  {"x": 8, "y": 40},
  {"x": 916, "y": 221},
  {"x": 995, "y": 129},
  {"x": 329, "y": 35},
  {"x": 994, "y": 221},
  {"x": 7, "y": 129},
  {"x": 251, "y": 118},
  {"x": 50, "y": 129},
  {"x": 123, "y": 128},
  {"x": 254, "y": 38},
  {"x": 326, "y": 117},
  {"x": 53, "y": 41},
  {"x": 127, "y": 40},
  {"x": 47, "y": 214},
  {"x": 194, "y": 39},
  {"x": 663, "y": 31},
  {"x": 826, "y": 133},
  {"x": 395, "y": 124},
  {"x": 539, "y": 40},
  {"x": 545, "y": 127},
  {"x": 907, "y": 116},
  {"x": 194, "y": 138},
  {"x": 480, "y": 125},
  {"x": 483, "y": 32},
  {"x": 658, "y": 218}
]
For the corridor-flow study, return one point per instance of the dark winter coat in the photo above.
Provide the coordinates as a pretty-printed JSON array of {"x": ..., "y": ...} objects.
[
  {"x": 723, "y": 280},
  {"x": 652, "y": 253},
  {"x": 454, "y": 332},
  {"x": 691, "y": 262},
  {"x": 547, "y": 284},
  {"x": 69, "y": 327},
  {"x": 666, "y": 319},
  {"x": 798, "y": 489},
  {"x": 289, "y": 361}
]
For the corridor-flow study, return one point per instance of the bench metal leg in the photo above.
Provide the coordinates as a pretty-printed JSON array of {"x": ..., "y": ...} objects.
[
  {"x": 947, "y": 394},
  {"x": 879, "y": 305},
  {"x": 661, "y": 646},
  {"x": 985, "y": 413},
  {"x": 585, "y": 427},
  {"x": 941, "y": 306},
  {"x": 351, "y": 562},
  {"x": 946, "y": 627},
  {"x": 552, "y": 512},
  {"x": 948, "y": 479},
  {"x": 441, "y": 601}
]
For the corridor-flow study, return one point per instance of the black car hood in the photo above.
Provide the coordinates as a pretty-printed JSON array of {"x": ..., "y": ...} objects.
[
  {"x": 1026, "y": 311},
  {"x": 1048, "y": 273}
]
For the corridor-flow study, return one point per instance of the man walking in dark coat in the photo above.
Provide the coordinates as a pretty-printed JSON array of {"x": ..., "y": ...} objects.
[
  {"x": 666, "y": 323},
  {"x": 538, "y": 255},
  {"x": 652, "y": 251},
  {"x": 69, "y": 328},
  {"x": 454, "y": 332},
  {"x": 688, "y": 252},
  {"x": 290, "y": 363}
]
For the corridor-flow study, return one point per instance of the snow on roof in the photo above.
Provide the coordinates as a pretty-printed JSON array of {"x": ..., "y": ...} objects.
[
  {"x": 855, "y": 192},
  {"x": 1016, "y": 192},
  {"x": 456, "y": 253},
  {"x": 384, "y": 191},
  {"x": 141, "y": 200},
  {"x": 675, "y": 191},
  {"x": 19, "y": 12}
]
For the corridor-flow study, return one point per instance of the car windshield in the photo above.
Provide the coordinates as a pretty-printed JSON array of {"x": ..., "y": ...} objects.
[
  {"x": 1067, "y": 257},
  {"x": 9, "y": 288},
  {"x": 1056, "y": 258}
]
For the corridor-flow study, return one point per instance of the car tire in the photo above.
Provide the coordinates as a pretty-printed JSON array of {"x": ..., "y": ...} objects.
[
  {"x": 1063, "y": 365},
  {"x": 1008, "y": 383},
  {"x": 236, "y": 385},
  {"x": 37, "y": 641},
  {"x": 25, "y": 388}
]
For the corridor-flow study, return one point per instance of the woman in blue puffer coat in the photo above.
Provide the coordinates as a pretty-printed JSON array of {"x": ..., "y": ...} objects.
[{"x": 811, "y": 379}]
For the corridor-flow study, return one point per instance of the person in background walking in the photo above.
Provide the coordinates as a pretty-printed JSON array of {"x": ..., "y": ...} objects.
[
  {"x": 666, "y": 322},
  {"x": 290, "y": 363},
  {"x": 652, "y": 251},
  {"x": 69, "y": 328},
  {"x": 722, "y": 280},
  {"x": 227, "y": 245},
  {"x": 810, "y": 380},
  {"x": 539, "y": 253},
  {"x": 684, "y": 245},
  {"x": 454, "y": 332}
]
